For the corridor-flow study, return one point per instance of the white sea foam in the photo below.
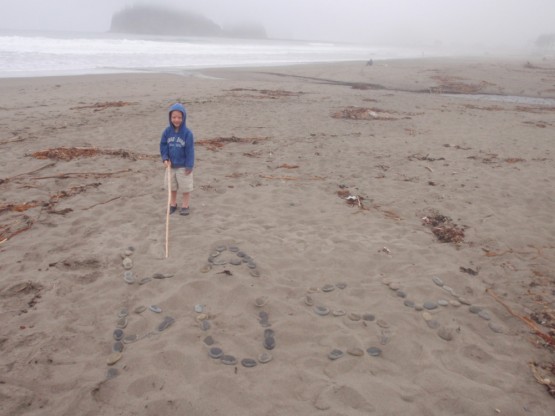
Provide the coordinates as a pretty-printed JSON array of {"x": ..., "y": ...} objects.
[{"x": 40, "y": 54}]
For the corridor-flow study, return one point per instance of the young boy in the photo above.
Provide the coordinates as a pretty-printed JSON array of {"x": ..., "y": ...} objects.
[{"x": 178, "y": 154}]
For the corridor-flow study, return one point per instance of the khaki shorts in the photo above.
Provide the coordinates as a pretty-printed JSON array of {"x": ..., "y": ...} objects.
[{"x": 179, "y": 180}]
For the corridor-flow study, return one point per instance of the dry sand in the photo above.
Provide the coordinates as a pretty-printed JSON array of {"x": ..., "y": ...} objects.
[{"x": 322, "y": 174}]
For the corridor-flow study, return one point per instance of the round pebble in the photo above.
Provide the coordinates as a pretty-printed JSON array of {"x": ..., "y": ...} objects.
[
  {"x": 235, "y": 262},
  {"x": 495, "y": 328},
  {"x": 437, "y": 281},
  {"x": 139, "y": 309},
  {"x": 261, "y": 301},
  {"x": 354, "y": 316},
  {"x": 382, "y": 324},
  {"x": 127, "y": 263},
  {"x": 449, "y": 290},
  {"x": 430, "y": 305},
  {"x": 248, "y": 362},
  {"x": 484, "y": 315},
  {"x": 328, "y": 288},
  {"x": 427, "y": 316},
  {"x": 129, "y": 339},
  {"x": 219, "y": 262},
  {"x": 455, "y": 303},
  {"x": 265, "y": 357},
  {"x": 269, "y": 332},
  {"x": 229, "y": 360},
  {"x": 155, "y": 308},
  {"x": 206, "y": 268},
  {"x": 401, "y": 293},
  {"x": 408, "y": 303},
  {"x": 251, "y": 265},
  {"x": 341, "y": 285},
  {"x": 118, "y": 334},
  {"x": 123, "y": 313},
  {"x": 121, "y": 323},
  {"x": 254, "y": 272},
  {"x": 233, "y": 249},
  {"x": 356, "y": 352},
  {"x": 113, "y": 358},
  {"x": 201, "y": 317},
  {"x": 433, "y": 324},
  {"x": 442, "y": 302},
  {"x": 321, "y": 310},
  {"x": 394, "y": 286},
  {"x": 374, "y": 351},
  {"x": 338, "y": 312},
  {"x": 308, "y": 300},
  {"x": 335, "y": 354},
  {"x": 445, "y": 333},
  {"x": 117, "y": 347},
  {"x": 166, "y": 323},
  {"x": 128, "y": 277},
  {"x": 269, "y": 343},
  {"x": 112, "y": 373},
  {"x": 215, "y": 352},
  {"x": 474, "y": 309},
  {"x": 386, "y": 281},
  {"x": 241, "y": 254},
  {"x": 208, "y": 340},
  {"x": 464, "y": 301},
  {"x": 199, "y": 308},
  {"x": 221, "y": 248},
  {"x": 368, "y": 317},
  {"x": 418, "y": 308}
]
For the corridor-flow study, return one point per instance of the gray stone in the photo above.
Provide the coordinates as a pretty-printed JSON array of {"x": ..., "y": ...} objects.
[
  {"x": 368, "y": 317},
  {"x": 321, "y": 310},
  {"x": 248, "y": 362},
  {"x": 215, "y": 352},
  {"x": 335, "y": 354},
  {"x": 474, "y": 309},
  {"x": 374, "y": 351},
  {"x": 408, "y": 303},
  {"x": 430, "y": 305},
  {"x": 433, "y": 324},
  {"x": 229, "y": 360},
  {"x": 437, "y": 281},
  {"x": 445, "y": 333},
  {"x": 484, "y": 315},
  {"x": 495, "y": 327},
  {"x": 401, "y": 293},
  {"x": 442, "y": 302}
]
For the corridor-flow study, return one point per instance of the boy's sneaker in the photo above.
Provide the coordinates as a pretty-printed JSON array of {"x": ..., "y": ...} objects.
[
  {"x": 184, "y": 211},
  {"x": 173, "y": 208}
]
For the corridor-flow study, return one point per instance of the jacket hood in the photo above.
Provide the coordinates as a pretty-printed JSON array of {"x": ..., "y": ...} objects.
[{"x": 181, "y": 108}]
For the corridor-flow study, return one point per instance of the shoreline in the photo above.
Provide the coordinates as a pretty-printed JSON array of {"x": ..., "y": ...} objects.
[{"x": 425, "y": 218}]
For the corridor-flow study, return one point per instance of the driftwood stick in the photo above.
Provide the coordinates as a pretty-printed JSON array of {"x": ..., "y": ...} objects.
[
  {"x": 78, "y": 174},
  {"x": 102, "y": 203}
]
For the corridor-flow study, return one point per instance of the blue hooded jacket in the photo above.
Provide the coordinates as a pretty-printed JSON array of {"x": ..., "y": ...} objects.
[{"x": 178, "y": 146}]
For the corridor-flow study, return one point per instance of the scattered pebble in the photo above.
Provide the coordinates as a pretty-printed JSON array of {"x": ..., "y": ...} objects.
[
  {"x": 335, "y": 354},
  {"x": 117, "y": 347},
  {"x": 269, "y": 343},
  {"x": 382, "y": 324},
  {"x": 427, "y": 316},
  {"x": 215, "y": 352},
  {"x": 206, "y": 268},
  {"x": 321, "y": 310},
  {"x": 374, "y": 351},
  {"x": 430, "y": 305},
  {"x": 123, "y": 313},
  {"x": 338, "y": 312},
  {"x": 121, "y": 323},
  {"x": 208, "y": 340},
  {"x": 127, "y": 263},
  {"x": 455, "y": 303},
  {"x": 221, "y": 248},
  {"x": 484, "y": 315},
  {"x": 368, "y": 317},
  {"x": 474, "y": 309},
  {"x": 356, "y": 352},
  {"x": 139, "y": 309},
  {"x": 261, "y": 301},
  {"x": 144, "y": 280},
  {"x": 341, "y": 285},
  {"x": 464, "y": 301},
  {"x": 114, "y": 358},
  {"x": 394, "y": 286},
  {"x": 445, "y": 333},
  {"x": 202, "y": 317},
  {"x": 248, "y": 362},
  {"x": 233, "y": 249},
  {"x": 118, "y": 334},
  {"x": 269, "y": 332},
  {"x": 438, "y": 281},
  {"x": 408, "y": 303},
  {"x": 308, "y": 300},
  {"x": 401, "y": 293},
  {"x": 235, "y": 262},
  {"x": 495, "y": 327},
  {"x": 112, "y": 373},
  {"x": 128, "y": 277},
  {"x": 166, "y": 323},
  {"x": 354, "y": 316},
  {"x": 199, "y": 308},
  {"x": 129, "y": 339},
  {"x": 328, "y": 288},
  {"x": 442, "y": 302},
  {"x": 254, "y": 272},
  {"x": 229, "y": 360},
  {"x": 418, "y": 307},
  {"x": 155, "y": 308},
  {"x": 433, "y": 324},
  {"x": 265, "y": 357}
]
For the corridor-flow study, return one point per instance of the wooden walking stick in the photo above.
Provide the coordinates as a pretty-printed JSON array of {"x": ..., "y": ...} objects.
[{"x": 168, "y": 176}]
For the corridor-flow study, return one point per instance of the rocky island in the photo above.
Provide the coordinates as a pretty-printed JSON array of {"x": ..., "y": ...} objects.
[{"x": 153, "y": 20}]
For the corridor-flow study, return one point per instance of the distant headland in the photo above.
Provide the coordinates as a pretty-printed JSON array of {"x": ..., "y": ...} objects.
[{"x": 155, "y": 20}]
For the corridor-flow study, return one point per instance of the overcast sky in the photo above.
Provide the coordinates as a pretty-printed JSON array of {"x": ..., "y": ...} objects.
[{"x": 468, "y": 22}]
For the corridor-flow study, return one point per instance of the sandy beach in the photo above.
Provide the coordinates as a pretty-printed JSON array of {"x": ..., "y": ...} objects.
[{"x": 362, "y": 240}]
